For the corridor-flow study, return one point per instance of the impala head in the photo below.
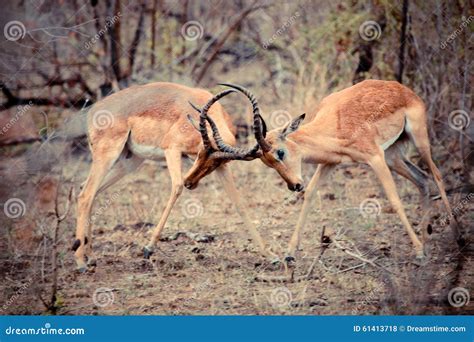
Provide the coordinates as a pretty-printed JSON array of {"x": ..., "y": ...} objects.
[
  {"x": 209, "y": 157},
  {"x": 274, "y": 149},
  {"x": 203, "y": 165},
  {"x": 282, "y": 154}
]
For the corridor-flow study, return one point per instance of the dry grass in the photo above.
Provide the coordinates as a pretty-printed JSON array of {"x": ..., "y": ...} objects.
[{"x": 222, "y": 276}]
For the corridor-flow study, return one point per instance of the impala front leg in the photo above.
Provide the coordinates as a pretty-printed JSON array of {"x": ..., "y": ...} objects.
[
  {"x": 225, "y": 175},
  {"x": 173, "y": 159},
  {"x": 309, "y": 196}
]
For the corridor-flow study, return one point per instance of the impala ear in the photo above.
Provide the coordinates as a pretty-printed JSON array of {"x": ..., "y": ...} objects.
[
  {"x": 292, "y": 126},
  {"x": 193, "y": 123}
]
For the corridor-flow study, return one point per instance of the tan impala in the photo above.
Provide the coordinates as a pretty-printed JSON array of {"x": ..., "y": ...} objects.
[
  {"x": 149, "y": 122},
  {"x": 366, "y": 123}
]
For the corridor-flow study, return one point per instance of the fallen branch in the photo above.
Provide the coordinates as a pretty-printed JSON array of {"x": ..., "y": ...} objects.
[
  {"x": 290, "y": 277},
  {"x": 360, "y": 257}
]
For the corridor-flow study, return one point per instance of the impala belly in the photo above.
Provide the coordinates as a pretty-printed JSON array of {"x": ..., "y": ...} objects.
[
  {"x": 389, "y": 129},
  {"x": 391, "y": 141},
  {"x": 145, "y": 151}
]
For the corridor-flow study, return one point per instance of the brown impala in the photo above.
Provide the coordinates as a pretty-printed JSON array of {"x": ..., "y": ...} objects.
[
  {"x": 149, "y": 122},
  {"x": 369, "y": 123}
]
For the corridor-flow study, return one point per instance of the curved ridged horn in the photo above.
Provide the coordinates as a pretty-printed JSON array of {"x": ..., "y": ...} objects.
[
  {"x": 258, "y": 121},
  {"x": 203, "y": 115},
  {"x": 225, "y": 151},
  {"x": 240, "y": 153}
]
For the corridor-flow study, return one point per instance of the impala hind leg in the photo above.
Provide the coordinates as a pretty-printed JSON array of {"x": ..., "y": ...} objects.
[
  {"x": 382, "y": 171},
  {"x": 225, "y": 176},
  {"x": 397, "y": 162},
  {"x": 173, "y": 160},
  {"x": 419, "y": 136},
  {"x": 309, "y": 196},
  {"x": 103, "y": 160},
  {"x": 121, "y": 168},
  {"x": 439, "y": 182}
]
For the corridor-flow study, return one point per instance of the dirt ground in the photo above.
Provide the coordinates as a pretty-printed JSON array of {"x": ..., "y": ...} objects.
[{"x": 206, "y": 263}]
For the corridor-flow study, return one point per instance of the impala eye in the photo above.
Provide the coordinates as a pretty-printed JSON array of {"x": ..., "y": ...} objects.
[{"x": 280, "y": 154}]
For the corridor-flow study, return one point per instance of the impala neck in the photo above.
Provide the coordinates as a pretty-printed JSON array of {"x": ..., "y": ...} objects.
[{"x": 317, "y": 147}]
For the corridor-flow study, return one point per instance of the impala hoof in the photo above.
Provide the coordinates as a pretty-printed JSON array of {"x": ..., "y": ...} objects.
[
  {"x": 461, "y": 241},
  {"x": 147, "y": 252},
  {"x": 290, "y": 259}
]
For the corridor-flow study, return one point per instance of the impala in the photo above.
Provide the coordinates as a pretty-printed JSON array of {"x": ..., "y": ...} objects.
[
  {"x": 368, "y": 123},
  {"x": 149, "y": 122}
]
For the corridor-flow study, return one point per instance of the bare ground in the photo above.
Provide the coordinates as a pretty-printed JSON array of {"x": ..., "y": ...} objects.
[{"x": 223, "y": 274}]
